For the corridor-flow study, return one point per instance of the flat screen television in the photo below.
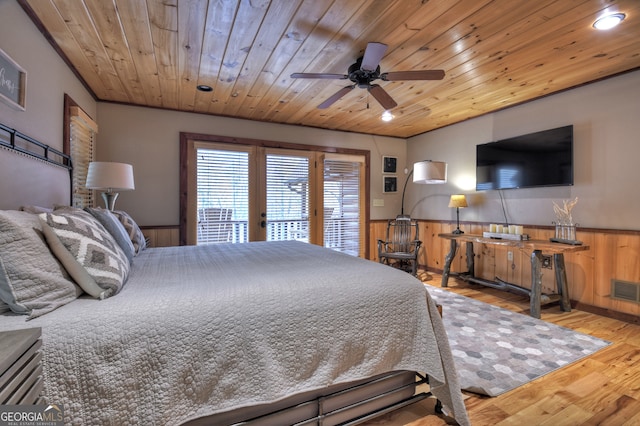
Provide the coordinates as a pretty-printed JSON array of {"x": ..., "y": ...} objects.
[{"x": 538, "y": 159}]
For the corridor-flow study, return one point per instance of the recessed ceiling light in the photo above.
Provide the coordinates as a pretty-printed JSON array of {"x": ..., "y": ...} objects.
[
  {"x": 607, "y": 22},
  {"x": 204, "y": 88},
  {"x": 386, "y": 116}
]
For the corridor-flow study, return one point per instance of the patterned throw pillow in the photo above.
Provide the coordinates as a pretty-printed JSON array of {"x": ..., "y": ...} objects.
[
  {"x": 32, "y": 281},
  {"x": 112, "y": 224},
  {"x": 92, "y": 246},
  {"x": 137, "y": 238}
]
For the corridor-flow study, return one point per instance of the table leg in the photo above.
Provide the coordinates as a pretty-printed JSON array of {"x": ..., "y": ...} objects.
[
  {"x": 471, "y": 260},
  {"x": 561, "y": 282},
  {"x": 447, "y": 263},
  {"x": 536, "y": 283}
]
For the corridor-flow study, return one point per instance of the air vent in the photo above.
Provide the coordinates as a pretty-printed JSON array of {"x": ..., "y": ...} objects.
[{"x": 623, "y": 290}]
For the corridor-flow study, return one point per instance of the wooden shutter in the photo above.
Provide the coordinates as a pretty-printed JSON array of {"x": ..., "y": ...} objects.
[{"x": 82, "y": 135}]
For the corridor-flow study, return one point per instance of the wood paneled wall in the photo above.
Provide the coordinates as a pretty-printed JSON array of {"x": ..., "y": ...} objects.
[
  {"x": 162, "y": 236},
  {"x": 613, "y": 254}
]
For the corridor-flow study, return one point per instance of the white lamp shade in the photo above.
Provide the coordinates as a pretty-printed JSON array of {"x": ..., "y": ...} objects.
[
  {"x": 110, "y": 176},
  {"x": 430, "y": 172}
]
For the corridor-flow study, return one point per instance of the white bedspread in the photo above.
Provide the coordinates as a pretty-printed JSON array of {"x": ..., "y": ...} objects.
[{"x": 200, "y": 330}]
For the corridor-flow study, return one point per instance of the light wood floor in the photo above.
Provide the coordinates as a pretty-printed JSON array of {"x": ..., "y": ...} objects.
[{"x": 602, "y": 389}]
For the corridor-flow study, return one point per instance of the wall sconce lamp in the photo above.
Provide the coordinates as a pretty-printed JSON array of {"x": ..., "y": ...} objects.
[
  {"x": 426, "y": 172},
  {"x": 458, "y": 201},
  {"x": 110, "y": 176}
]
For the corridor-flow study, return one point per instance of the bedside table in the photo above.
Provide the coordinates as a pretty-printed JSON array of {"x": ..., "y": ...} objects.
[{"x": 21, "y": 380}]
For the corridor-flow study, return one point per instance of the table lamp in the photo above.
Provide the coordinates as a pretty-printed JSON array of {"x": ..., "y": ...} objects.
[
  {"x": 457, "y": 201},
  {"x": 111, "y": 177}
]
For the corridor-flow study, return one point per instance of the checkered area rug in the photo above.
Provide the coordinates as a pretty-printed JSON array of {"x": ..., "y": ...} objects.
[{"x": 496, "y": 350}]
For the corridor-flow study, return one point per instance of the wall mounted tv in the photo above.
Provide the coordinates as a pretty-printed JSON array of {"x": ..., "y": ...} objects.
[{"x": 538, "y": 159}]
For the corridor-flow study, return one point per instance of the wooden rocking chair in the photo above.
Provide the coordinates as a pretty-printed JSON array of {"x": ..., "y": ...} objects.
[{"x": 402, "y": 245}]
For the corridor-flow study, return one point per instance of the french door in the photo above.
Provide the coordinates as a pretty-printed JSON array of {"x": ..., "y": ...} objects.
[
  {"x": 240, "y": 193},
  {"x": 287, "y": 196}
]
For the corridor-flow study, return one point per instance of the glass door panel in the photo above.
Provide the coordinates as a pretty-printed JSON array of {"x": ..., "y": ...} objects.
[
  {"x": 342, "y": 206},
  {"x": 287, "y": 197},
  {"x": 222, "y": 196}
]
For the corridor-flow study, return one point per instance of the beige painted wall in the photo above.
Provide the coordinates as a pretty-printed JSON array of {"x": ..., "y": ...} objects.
[
  {"x": 606, "y": 120},
  {"x": 149, "y": 140},
  {"x": 48, "y": 79}
]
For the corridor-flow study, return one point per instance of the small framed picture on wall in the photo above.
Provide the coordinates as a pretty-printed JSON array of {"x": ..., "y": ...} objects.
[
  {"x": 389, "y": 164},
  {"x": 389, "y": 184}
]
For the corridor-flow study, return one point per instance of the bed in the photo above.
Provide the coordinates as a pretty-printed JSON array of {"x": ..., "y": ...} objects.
[{"x": 230, "y": 333}]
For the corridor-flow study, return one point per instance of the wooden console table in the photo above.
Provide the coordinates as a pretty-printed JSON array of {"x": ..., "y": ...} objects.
[{"x": 537, "y": 247}]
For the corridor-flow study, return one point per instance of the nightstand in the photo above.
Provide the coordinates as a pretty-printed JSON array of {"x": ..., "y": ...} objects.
[{"x": 21, "y": 380}]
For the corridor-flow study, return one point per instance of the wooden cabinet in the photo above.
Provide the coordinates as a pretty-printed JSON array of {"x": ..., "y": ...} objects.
[{"x": 21, "y": 380}]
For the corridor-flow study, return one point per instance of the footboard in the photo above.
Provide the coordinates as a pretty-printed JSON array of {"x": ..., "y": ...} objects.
[{"x": 351, "y": 403}]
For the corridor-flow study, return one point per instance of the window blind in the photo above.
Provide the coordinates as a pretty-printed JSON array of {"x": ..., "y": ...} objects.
[
  {"x": 342, "y": 227},
  {"x": 287, "y": 198},
  {"x": 222, "y": 196}
]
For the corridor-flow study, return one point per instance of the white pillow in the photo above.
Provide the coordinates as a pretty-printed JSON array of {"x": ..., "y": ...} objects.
[{"x": 32, "y": 281}]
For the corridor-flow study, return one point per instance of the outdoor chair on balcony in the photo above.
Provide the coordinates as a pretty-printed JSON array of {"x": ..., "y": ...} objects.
[
  {"x": 214, "y": 225},
  {"x": 402, "y": 245}
]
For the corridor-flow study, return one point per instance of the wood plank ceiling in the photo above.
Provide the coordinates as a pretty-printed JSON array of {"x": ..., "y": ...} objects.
[{"x": 496, "y": 53}]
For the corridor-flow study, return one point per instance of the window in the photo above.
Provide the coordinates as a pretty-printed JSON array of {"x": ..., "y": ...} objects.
[
  {"x": 343, "y": 199},
  {"x": 223, "y": 196},
  {"x": 248, "y": 190},
  {"x": 288, "y": 197}
]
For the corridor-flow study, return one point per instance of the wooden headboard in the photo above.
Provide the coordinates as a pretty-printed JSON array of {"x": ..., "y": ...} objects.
[{"x": 31, "y": 173}]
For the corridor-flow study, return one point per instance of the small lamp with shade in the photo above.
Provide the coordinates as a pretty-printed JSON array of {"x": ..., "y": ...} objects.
[
  {"x": 110, "y": 177},
  {"x": 458, "y": 201}
]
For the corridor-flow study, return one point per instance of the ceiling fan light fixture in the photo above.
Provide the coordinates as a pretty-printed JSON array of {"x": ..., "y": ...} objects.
[
  {"x": 387, "y": 116},
  {"x": 606, "y": 22}
]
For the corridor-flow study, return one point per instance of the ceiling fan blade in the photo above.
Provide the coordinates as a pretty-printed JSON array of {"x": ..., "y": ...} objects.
[
  {"x": 319, "y": 75},
  {"x": 372, "y": 56},
  {"x": 382, "y": 96},
  {"x": 413, "y": 75},
  {"x": 340, "y": 93}
]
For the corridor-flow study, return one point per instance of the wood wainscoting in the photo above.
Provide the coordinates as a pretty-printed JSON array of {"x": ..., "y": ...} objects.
[
  {"x": 613, "y": 255},
  {"x": 162, "y": 236}
]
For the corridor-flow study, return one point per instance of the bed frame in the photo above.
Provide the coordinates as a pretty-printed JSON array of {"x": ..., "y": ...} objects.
[
  {"x": 344, "y": 404},
  {"x": 350, "y": 403}
]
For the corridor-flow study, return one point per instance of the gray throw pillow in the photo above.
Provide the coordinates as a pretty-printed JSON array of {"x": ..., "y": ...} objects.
[
  {"x": 92, "y": 246},
  {"x": 32, "y": 281}
]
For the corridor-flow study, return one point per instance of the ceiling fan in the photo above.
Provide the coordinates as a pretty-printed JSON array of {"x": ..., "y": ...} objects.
[{"x": 367, "y": 69}]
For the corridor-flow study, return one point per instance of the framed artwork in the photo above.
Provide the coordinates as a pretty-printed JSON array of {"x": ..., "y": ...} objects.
[
  {"x": 389, "y": 184},
  {"x": 13, "y": 82},
  {"x": 389, "y": 164}
]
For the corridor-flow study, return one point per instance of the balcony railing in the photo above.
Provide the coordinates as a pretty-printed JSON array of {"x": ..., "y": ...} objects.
[
  {"x": 337, "y": 232},
  {"x": 236, "y": 231}
]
